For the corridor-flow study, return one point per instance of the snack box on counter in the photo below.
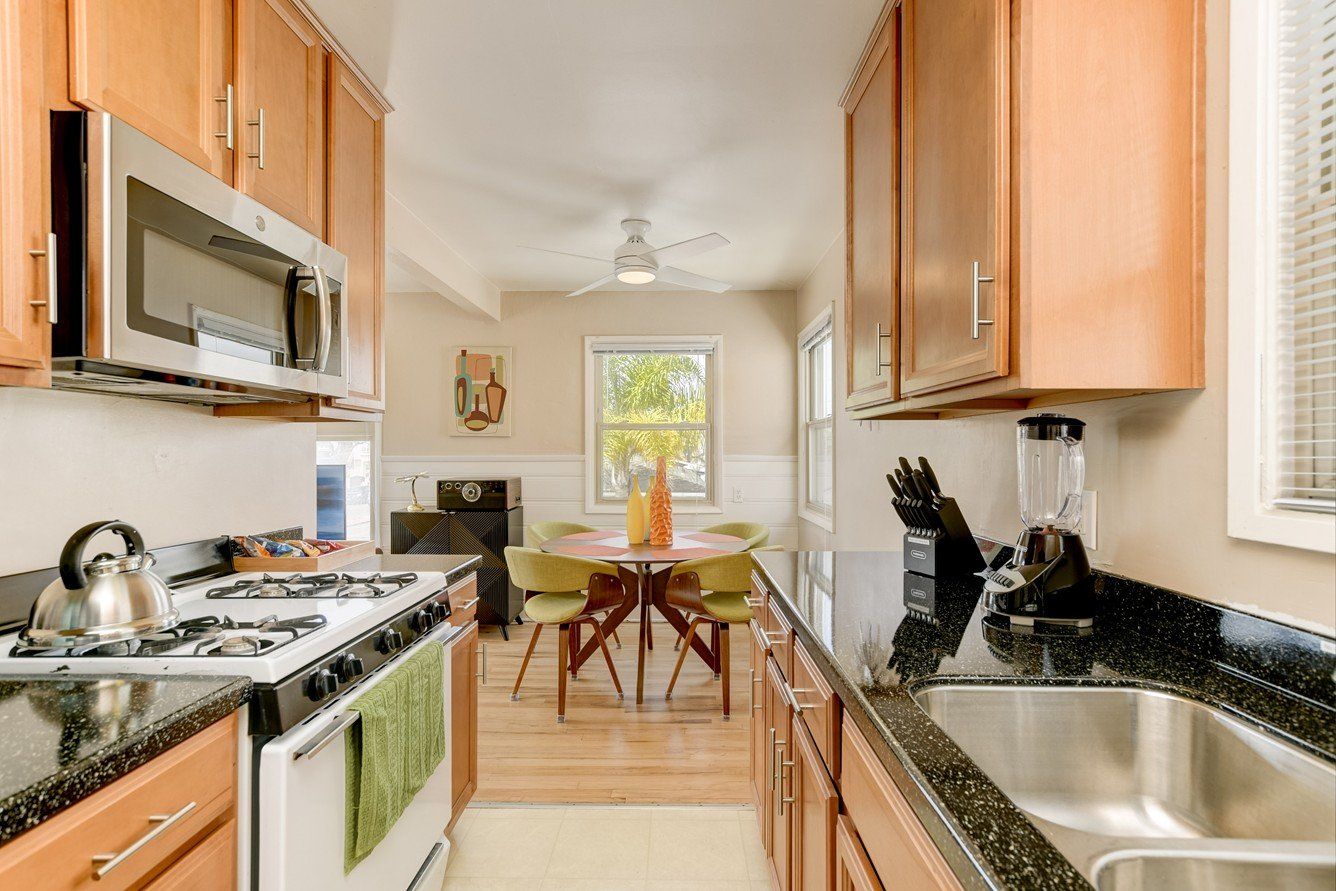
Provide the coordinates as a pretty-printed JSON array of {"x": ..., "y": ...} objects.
[{"x": 253, "y": 553}]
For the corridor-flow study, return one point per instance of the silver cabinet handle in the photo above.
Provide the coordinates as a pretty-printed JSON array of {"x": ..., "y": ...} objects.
[
  {"x": 107, "y": 862},
  {"x": 880, "y": 337},
  {"x": 751, "y": 691},
  {"x": 50, "y": 255},
  {"x": 471, "y": 604},
  {"x": 974, "y": 315},
  {"x": 227, "y": 135},
  {"x": 770, "y": 760},
  {"x": 313, "y": 747},
  {"x": 781, "y": 798},
  {"x": 775, "y": 636},
  {"x": 779, "y": 779},
  {"x": 258, "y": 124},
  {"x": 482, "y": 675},
  {"x": 792, "y": 696}
]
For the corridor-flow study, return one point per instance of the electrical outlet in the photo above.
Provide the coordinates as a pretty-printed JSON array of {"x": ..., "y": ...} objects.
[
  {"x": 737, "y": 495},
  {"x": 1089, "y": 519}
]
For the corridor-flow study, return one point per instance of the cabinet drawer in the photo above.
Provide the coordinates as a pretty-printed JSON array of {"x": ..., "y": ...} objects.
[
  {"x": 464, "y": 601},
  {"x": 896, "y": 841},
  {"x": 209, "y": 866},
  {"x": 195, "y": 780},
  {"x": 820, "y": 708}
]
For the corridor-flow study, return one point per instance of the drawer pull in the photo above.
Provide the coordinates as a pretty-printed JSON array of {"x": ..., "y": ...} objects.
[
  {"x": 471, "y": 604},
  {"x": 108, "y": 862},
  {"x": 482, "y": 675},
  {"x": 780, "y": 796},
  {"x": 977, "y": 322},
  {"x": 751, "y": 691},
  {"x": 791, "y": 694},
  {"x": 775, "y": 636}
]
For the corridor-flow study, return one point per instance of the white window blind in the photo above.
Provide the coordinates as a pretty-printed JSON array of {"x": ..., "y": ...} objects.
[{"x": 1302, "y": 416}]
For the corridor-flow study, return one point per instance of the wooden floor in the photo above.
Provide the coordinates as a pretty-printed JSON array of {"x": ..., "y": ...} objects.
[{"x": 610, "y": 751}]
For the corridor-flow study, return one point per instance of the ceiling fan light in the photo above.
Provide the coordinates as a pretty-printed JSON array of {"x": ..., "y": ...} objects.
[{"x": 635, "y": 276}]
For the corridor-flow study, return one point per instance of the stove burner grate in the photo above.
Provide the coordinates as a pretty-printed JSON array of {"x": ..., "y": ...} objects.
[{"x": 327, "y": 584}]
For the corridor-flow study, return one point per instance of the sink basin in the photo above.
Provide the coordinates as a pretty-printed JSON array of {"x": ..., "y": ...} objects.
[{"x": 1141, "y": 788}]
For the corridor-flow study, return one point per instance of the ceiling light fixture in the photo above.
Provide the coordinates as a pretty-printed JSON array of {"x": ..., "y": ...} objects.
[{"x": 635, "y": 275}]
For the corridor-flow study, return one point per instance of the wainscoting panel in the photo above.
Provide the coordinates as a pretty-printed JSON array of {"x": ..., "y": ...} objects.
[{"x": 553, "y": 489}]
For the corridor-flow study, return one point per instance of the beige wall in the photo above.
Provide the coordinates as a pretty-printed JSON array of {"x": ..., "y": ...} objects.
[
  {"x": 174, "y": 472},
  {"x": 1157, "y": 462},
  {"x": 547, "y": 331}
]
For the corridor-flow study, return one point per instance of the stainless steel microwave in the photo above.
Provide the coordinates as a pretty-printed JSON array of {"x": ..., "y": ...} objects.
[{"x": 173, "y": 285}]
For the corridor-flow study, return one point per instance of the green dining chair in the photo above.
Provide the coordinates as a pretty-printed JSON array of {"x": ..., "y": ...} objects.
[
  {"x": 537, "y": 533},
  {"x": 566, "y": 592},
  {"x": 757, "y": 535},
  {"x": 713, "y": 590}
]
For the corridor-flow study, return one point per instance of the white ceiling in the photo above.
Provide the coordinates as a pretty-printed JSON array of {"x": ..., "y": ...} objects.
[{"x": 545, "y": 123}]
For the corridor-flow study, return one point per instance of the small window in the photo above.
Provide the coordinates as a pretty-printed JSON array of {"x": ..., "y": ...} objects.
[
  {"x": 817, "y": 396},
  {"x": 345, "y": 486},
  {"x": 1282, "y": 274},
  {"x": 650, "y": 397}
]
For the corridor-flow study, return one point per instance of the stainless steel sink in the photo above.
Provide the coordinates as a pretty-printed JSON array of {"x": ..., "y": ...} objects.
[{"x": 1141, "y": 788}]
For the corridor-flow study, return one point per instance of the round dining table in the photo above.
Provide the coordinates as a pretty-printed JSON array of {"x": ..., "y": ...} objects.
[{"x": 614, "y": 547}]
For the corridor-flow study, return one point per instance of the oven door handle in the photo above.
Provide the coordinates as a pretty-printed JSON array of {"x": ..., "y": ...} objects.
[{"x": 313, "y": 747}]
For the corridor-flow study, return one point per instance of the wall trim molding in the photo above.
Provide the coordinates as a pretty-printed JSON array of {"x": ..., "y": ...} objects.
[{"x": 573, "y": 456}]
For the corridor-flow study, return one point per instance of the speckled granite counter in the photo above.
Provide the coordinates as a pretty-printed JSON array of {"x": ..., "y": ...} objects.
[
  {"x": 455, "y": 566},
  {"x": 849, "y": 611},
  {"x": 64, "y": 738}
]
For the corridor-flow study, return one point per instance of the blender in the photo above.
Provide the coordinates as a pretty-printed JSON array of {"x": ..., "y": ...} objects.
[{"x": 1047, "y": 581}]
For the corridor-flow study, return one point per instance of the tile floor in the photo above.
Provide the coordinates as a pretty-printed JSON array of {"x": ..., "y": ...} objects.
[{"x": 590, "y": 847}]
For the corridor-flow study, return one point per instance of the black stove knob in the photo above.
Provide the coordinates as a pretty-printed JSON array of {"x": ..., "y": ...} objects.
[
  {"x": 321, "y": 684},
  {"x": 349, "y": 667},
  {"x": 389, "y": 641},
  {"x": 440, "y": 610},
  {"x": 421, "y": 621}
]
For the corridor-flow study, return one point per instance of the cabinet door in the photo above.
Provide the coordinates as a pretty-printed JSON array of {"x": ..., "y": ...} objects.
[
  {"x": 463, "y": 720},
  {"x": 162, "y": 66},
  {"x": 872, "y": 209},
  {"x": 781, "y": 811},
  {"x": 355, "y": 226},
  {"x": 759, "y": 729},
  {"x": 25, "y": 337},
  {"x": 955, "y": 296},
  {"x": 816, "y": 804},
  {"x": 281, "y": 82},
  {"x": 853, "y": 871}
]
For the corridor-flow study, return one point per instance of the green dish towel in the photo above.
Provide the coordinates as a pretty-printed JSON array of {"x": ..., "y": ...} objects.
[{"x": 392, "y": 750}]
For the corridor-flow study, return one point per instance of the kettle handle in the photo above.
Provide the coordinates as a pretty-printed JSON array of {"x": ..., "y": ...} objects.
[{"x": 71, "y": 556}]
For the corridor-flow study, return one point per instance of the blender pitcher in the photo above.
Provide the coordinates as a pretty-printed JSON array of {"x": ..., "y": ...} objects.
[{"x": 1047, "y": 581}]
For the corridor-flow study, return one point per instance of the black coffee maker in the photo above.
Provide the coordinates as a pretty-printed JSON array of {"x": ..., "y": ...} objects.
[{"x": 1048, "y": 580}]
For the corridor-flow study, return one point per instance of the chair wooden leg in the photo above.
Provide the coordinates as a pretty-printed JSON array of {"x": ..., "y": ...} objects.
[
  {"x": 714, "y": 646},
  {"x": 563, "y": 647},
  {"x": 649, "y": 632},
  {"x": 612, "y": 669},
  {"x": 682, "y": 656},
  {"x": 528, "y": 653},
  {"x": 722, "y": 650},
  {"x": 575, "y": 650},
  {"x": 617, "y": 640},
  {"x": 677, "y": 644}
]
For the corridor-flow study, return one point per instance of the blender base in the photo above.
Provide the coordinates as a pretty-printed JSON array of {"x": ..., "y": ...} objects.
[{"x": 1047, "y": 582}]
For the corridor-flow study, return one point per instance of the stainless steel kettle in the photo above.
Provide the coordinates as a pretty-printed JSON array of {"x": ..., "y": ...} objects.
[{"x": 106, "y": 600}]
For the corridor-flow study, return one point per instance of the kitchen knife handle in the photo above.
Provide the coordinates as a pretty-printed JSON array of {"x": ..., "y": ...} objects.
[
  {"x": 930, "y": 475},
  {"x": 895, "y": 487}
]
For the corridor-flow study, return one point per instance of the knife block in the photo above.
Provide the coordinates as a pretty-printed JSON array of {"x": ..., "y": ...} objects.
[{"x": 950, "y": 551}]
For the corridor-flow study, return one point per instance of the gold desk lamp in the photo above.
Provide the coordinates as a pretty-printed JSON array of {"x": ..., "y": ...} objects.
[{"x": 412, "y": 481}]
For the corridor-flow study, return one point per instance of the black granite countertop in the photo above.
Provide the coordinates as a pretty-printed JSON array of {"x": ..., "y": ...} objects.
[
  {"x": 64, "y": 738},
  {"x": 455, "y": 566},
  {"x": 849, "y": 611}
]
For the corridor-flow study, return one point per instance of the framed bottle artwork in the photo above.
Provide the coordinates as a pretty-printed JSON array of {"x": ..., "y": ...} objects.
[{"x": 480, "y": 401}]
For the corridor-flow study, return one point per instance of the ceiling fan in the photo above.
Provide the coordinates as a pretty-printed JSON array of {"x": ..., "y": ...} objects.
[{"x": 636, "y": 262}]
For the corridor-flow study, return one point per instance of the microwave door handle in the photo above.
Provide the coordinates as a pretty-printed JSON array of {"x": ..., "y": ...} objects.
[
  {"x": 290, "y": 313},
  {"x": 326, "y": 317}
]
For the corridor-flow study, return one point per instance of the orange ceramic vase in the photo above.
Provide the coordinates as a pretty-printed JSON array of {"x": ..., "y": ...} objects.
[{"x": 661, "y": 508}]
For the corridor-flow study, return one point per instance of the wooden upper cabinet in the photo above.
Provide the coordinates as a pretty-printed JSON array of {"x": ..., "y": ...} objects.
[
  {"x": 281, "y": 108},
  {"x": 355, "y": 226},
  {"x": 162, "y": 66},
  {"x": 872, "y": 216},
  {"x": 954, "y": 299},
  {"x": 25, "y": 336}
]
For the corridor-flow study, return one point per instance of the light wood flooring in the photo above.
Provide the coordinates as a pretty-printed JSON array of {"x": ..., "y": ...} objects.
[{"x": 610, "y": 751}]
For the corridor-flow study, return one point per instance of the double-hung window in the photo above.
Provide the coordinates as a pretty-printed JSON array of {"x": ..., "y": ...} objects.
[
  {"x": 816, "y": 395},
  {"x": 1282, "y": 272},
  {"x": 648, "y": 397}
]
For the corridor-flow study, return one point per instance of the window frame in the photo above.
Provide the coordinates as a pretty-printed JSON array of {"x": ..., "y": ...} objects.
[
  {"x": 812, "y": 512},
  {"x": 713, "y": 426},
  {"x": 359, "y": 431},
  {"x": 1253, "y": 247}
]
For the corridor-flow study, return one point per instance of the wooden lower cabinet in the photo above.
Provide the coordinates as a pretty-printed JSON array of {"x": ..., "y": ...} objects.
[
  {"x": 853, "y": 869},
  {"x": 779, "y": 726},
  {"x": 463, "y": 720},
  {"x": 756, "y": 720},
  {"x": 815, "y": 806},
  {"x": 194, "y": 782}
]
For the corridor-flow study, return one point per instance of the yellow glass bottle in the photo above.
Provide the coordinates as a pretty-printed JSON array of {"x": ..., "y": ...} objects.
[{"x": 635, "y": 513}]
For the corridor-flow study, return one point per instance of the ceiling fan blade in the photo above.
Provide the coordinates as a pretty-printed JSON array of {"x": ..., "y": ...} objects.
[
  {"x": 592, "y": 285},
  {"x": 674, "y": 276},
  {"x": 683, "y": 249},
  {"x": 528, "y": 247}
]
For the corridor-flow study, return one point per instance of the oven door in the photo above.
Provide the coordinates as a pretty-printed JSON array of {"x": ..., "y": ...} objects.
[
  {"x": 300, "y": 804},
  {"x": 204, "y": 281}
]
